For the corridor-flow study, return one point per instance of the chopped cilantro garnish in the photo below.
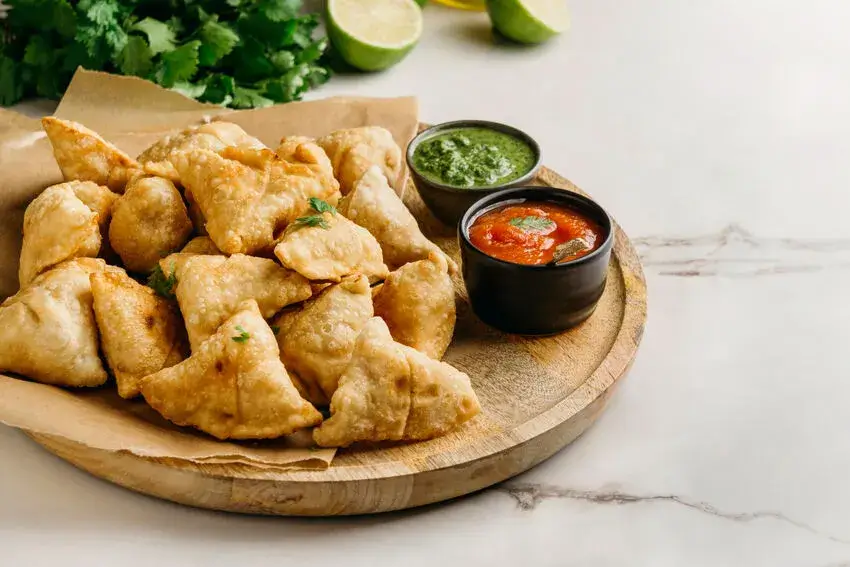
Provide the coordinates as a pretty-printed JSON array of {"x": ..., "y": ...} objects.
[
  {"x": 161, "y": 283},
  {"x": 532, "y": 223},
  {"x": 321, "y": 206},
  {"x": 312, "y": 220},
  {"x": 242, "y": 336}
]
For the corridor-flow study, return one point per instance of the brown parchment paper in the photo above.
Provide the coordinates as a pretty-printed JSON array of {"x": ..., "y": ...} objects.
[{"x": 133, "y": 113}]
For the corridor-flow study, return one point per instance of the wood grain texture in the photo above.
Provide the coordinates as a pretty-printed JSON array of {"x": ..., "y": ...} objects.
[{"x": 538, "y": 395}]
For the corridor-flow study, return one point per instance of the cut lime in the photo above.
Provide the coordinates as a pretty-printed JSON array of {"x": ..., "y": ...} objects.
[
  {"x": 529, "y": 21},
  {"x": 374, "y": 34}
]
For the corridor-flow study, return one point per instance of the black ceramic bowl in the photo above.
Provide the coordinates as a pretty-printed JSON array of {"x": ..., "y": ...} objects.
[
  {"x": 449, "y": 203},
  {"x": 535, "y": 300}
]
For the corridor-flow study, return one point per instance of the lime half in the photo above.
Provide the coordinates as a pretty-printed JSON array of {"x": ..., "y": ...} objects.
[
  {"x": 529, "y": 21},
  {"x": 374, "y": 34}
]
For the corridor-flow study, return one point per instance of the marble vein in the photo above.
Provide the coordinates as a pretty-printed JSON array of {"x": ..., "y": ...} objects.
[
  {"x": 736, "y": 252},
  {"x": 529, "y": 495}
]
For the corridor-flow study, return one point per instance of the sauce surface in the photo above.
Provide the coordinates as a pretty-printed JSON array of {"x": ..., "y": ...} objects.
[
  {"x": 532, "y": 233},
  {"x": 473, "y": 157}
]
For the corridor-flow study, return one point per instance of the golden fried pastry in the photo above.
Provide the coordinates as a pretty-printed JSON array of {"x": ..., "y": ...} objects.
[
  {"x": 198, "y": 246},
  {"x": 354, "y": 150},
  {"x": 148, "y": 222},
  {"x": 249, "y": 196},
  {"x": 234, "y": 386},
  {"x": 390, "y": 392},
  {"x": 328, "y": 246},
  {"x": 417, "y": 301},
  {"x": 198, "y": 221},
  {"x": 47, "y": 330},
  {"x": 373, "y": 398},
  {"x": 159, "y": 158},
  {"x": 375, "y": 206},
  {"x": 210, "y": 289},
  {"x": 96, "y": 197},
  {"x": 303, "y": 150},
  {"x": 441, "y": 398},
  {"x": 140, "y": 332},
  {"x": 316, "y": 342},
  {"x": 201, "y": 245},
  {"x": 63, "y": 222},
  {"x": 84, "y": 155}
]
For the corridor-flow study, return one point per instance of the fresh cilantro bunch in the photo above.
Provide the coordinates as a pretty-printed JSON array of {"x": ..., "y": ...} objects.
[{"x": 237, "y": 53}]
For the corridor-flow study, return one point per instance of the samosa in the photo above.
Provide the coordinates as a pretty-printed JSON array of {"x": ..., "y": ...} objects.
[
  {"x": 48, "y": 331},
  {"x": 210, "y": 288},
  {"x": 352, "y": 151},
  {"x": 234, "y": 386},
  {"x": 140, "y": 332},
  {"x": 148, "y": 221},
  {"x": 83, "y": 155},
  {"x": 417, "y": 301},
  {"x": 316, "y": 341},
  {"x": 65, "y": 221},
  {"x": 375, "y": 206},
  {"x": 328, "y": 246}
]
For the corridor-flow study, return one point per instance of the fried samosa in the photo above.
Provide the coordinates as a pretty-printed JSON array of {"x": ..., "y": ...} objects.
[
  {"x": 140, "y": 332},
  {"x": 84, "y": 155},
  {"x": 159, "y": 158},
  {"x": 148, "y": 222},
  {"x": 328, "y": 246},
  {"x": 354, "y": 150},
  {"x": 62, "y": 223},
  {"x": 197, "y": 217},
  {"x": 373, "y": 398},
  {"x": 201, "y": 245},
  {"x": 210, "y": 288},
  {"x": 249, "y": 196},
  {"x": 442, "y": 398},
  {"x": 316, "y": 341},
  {"x": 417, "y": 302},
  {"x": 303, "y": 150},
  {"x": 390, "y": 392},
  {"x": 198, "y": 246},
  {"x": 234, "y": 386},
  {"x": 375, "y": 206},
  {"x": 48, "y": 331}
]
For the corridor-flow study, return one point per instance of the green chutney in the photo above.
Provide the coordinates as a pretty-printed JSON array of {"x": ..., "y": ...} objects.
[{"x": 473, "y": 157}]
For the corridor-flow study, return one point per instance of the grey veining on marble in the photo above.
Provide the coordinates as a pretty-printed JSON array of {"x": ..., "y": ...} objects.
[
  {"x": 528, "y": 496},
  {"x": 735, "y": 252}
]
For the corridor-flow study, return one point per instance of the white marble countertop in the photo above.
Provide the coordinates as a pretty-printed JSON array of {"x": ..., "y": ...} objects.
[{"x": 718, "y": 133}]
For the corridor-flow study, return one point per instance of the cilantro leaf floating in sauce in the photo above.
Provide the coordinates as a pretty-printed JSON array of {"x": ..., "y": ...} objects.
[{"x": 532, "y": 223}]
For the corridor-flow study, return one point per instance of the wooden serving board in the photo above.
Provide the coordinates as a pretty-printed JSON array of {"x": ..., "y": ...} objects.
[{"x": 537, "y": 394}]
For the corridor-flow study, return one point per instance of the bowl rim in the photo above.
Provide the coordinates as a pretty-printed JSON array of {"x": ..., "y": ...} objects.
[
  {"x": 495, "y": 199},
  {"x": 474, "y": 123}
]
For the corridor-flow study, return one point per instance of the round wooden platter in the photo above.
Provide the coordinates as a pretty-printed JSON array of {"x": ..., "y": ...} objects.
[{"x": 537, "y": 394}]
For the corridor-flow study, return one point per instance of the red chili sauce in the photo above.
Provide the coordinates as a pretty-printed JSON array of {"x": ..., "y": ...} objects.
[{"x": 530, "y": 233}]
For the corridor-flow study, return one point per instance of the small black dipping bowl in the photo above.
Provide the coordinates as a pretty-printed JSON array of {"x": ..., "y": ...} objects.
[
  {"x": 448, "y": 203},
  {"x": 535, "y": 300}
]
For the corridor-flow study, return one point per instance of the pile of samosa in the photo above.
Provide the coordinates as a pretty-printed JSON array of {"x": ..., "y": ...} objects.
[{"x": 278, "y": 281}]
